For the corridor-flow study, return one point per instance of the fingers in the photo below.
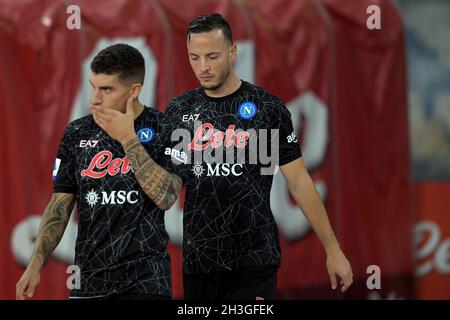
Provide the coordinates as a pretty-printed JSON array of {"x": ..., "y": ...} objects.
[
  {"x": 25, "y": 290},
  {"x": 102, "y": 113},
  {"x": 333, "y": 280},
  {"x": 346, "y": 284},
  {"x": 108, "y": 115},
  {"x": 130, "y": 105},
  {"x": 20, "y": 292},
  {"x": 100, "y": 116},
  {"x": 346, "y": 281},
  {"x": 21, "y": 288},
  {"x": 30, "y": 290},
  {"x": 100, "y": 122}
]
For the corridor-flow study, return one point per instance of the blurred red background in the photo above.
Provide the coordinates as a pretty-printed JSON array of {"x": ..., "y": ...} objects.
[{"x": 344, "y": 84}]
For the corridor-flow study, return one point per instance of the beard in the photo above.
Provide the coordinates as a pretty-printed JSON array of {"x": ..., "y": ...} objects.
[{"x": 220, "y": 81}]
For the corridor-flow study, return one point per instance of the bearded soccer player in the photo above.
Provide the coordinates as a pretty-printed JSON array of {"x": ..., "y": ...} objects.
[
  {"x": 231, "y": 244},
  {"x": 120, "y": 191}
]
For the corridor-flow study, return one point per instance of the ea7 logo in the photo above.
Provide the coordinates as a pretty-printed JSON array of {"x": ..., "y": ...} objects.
[
  {"x": 190, "y": 117},
  {"x": 292, "y": 137},
  {"x": 88, "y": 143}
]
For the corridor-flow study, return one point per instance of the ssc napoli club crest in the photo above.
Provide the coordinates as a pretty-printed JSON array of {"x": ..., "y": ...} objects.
[
  {"x": 247, "y": 110},
  {"x": 146, "y": 135}
]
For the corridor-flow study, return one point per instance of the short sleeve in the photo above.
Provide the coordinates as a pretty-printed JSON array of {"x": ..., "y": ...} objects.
[
  {"x": 64, "y": 167},
  {"x": 289, "y": 147},
  {"x": 172, "y": 151}
]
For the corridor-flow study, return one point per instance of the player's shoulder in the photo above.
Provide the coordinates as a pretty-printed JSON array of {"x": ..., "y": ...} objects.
[
  {"x": 80, "y": 124},
  {"x": 153, "y": 115},
  {"x": 267, "y": 99},
  {"x": 150, "y": 114},
  {"x": 189, "y": 94},
  {"x": 161, "y": 122},
  {"x": 184, "y": 100},
  {"x": 261, "y": 93}
]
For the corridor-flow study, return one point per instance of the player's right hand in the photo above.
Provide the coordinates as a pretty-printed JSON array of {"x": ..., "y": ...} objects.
[{"x": 27, "y": 283}]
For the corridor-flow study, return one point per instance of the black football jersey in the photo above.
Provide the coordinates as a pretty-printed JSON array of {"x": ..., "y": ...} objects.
[
  {"x": 121, "y": 242},
  {"x": 228, "y": 223}
]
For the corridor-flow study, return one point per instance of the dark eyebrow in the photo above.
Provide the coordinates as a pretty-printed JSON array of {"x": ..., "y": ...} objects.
[
  {"x": 209, "y": 54},
  {"x": 101, "y": 88}
]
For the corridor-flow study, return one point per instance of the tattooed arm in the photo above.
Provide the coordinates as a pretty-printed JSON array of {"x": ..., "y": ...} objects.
[
  {"x": 160, "y": 185},
  {"x": 51, "y": 230}
]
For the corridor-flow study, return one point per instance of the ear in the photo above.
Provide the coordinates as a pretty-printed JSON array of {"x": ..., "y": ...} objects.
[
  {"x": 135, "y": 90},
  {"x": 233, "y": 52}
]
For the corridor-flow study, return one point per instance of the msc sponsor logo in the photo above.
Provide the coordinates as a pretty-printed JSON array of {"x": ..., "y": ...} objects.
[
  {"x": 114, "y": 197},
  {"x": 217, "y": 169}
]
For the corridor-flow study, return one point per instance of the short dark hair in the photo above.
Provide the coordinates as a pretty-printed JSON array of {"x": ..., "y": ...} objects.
[
  {"x": 121, "y": 59},
  {"x": 208, "y": 22}
]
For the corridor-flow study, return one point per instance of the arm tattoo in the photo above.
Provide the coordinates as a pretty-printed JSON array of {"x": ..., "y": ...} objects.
[
  {"x": 53, "y": 224},
  {"x": 159, "y": 185}
]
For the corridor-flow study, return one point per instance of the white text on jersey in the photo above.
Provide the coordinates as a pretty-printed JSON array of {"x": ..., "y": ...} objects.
[{"x": 88, "y": 143}]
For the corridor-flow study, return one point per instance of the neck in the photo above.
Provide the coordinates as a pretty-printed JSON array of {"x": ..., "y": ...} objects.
[
  {"x": 137, "y": 108},
  {"x": 231, "y": 85}
]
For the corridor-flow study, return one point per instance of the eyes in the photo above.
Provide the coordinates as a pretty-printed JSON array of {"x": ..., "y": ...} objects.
[
  {"x": 104, "y": 89},
  {"x": 212, "y": 56}
]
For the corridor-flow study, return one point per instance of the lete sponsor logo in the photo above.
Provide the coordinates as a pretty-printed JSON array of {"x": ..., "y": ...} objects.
[
  {"x": 103, "y": 163},
  {"x": 217, "y": 139}
]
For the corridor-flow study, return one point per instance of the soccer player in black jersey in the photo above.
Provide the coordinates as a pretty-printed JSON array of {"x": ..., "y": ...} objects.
[
  {"x": 119, "y": 188},
  {"x": 230, "y": 243}
]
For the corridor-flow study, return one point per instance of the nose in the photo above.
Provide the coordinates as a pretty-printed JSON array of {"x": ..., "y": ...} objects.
[
  {"x": 96, "y": 98},
  {"x": 204, "y": 66}
]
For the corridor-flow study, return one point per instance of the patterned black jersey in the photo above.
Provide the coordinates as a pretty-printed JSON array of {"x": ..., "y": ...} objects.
[
  {"x": 236, "y": 143},
  {"x": 121, "y": 242}
]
